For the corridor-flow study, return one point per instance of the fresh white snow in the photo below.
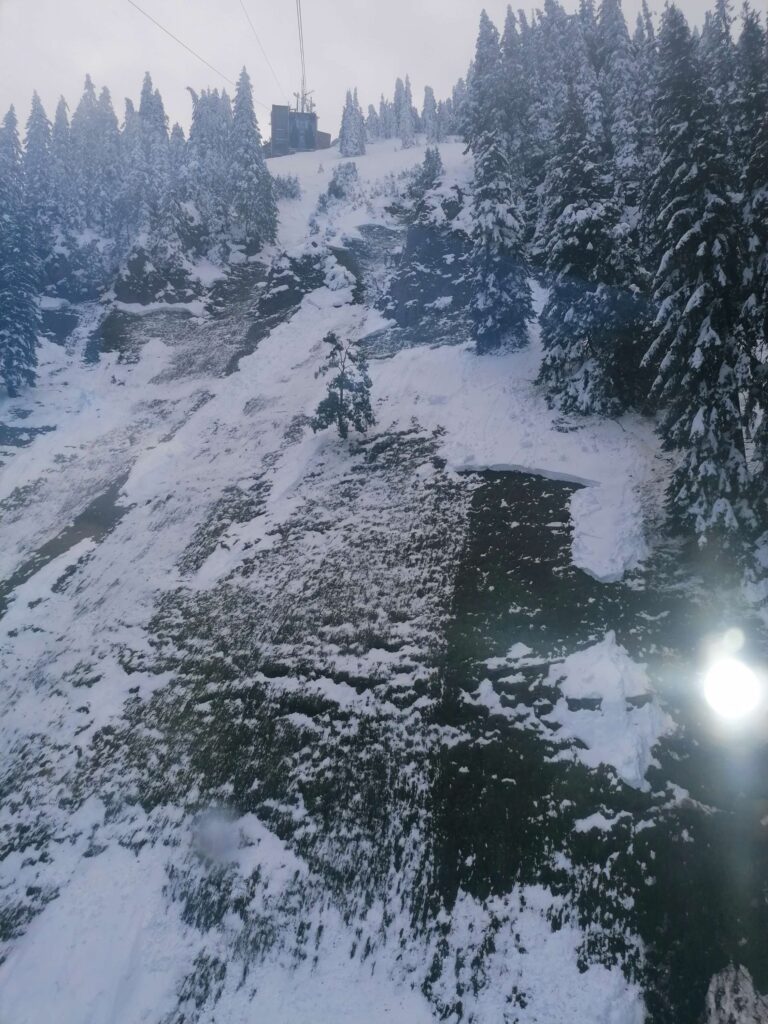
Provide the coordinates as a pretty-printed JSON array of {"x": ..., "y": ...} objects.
[{"x": 617, "y": 733}]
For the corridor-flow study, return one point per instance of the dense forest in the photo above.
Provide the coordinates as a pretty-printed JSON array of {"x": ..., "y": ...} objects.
[
  {"x": 629, "y": 172},
  {"x": 89, "y": 206}
]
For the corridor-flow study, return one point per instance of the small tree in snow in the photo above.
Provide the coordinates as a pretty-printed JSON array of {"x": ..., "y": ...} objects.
[
  {"x": 429, "y": 116},
  {"x": 352, "y": 133},
  {"x": 348, "y": 400}
]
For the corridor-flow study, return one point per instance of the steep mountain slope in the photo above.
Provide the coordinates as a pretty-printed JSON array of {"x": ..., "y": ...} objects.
[{"x": 401, "y": 728}]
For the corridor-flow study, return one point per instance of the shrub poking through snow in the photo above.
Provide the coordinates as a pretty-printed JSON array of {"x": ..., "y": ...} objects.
[
  {"x": 343, "y": 181},
  {"x": 348, "y": 400},
  {"x": 286, "y": 186}
]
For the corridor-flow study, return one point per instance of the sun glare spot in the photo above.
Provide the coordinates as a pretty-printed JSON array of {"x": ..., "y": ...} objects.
[{"x": 732, "y": 689}]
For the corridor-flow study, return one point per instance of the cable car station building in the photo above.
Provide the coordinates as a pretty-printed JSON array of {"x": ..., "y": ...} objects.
[{"x": 295, "y": 131}]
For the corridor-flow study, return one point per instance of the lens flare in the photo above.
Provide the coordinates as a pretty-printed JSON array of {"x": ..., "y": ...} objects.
[{"x": 732, "y": 689}]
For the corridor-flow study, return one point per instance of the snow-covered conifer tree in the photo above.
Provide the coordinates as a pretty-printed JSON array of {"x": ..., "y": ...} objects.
[
  {"x": 209, "y": 163},
  {"x": 622, "y": 99},
  {"x": 254, "y": 210},
  {"x": 19, "y": 314},
  {"x": 644, "y": 80},
  {"x": 373, "y": 124},
  {"x": 501, "y": 303},
  {"x": 61, "y": 167},
  {"x": 485, "y": 100},
  {"x": 588, "y": 28},
  {"x": 750, "y": 100},
  {"x": 132, "y": 202},
  {"x": 444, "y": 118},
  {"x": 346, "y": 142},
  {"x": 387, "y": 119},
  {"x": 592, "y": 317},
  {"x": 406, "y": 127},
  {"x": 39, "y": 200},
  {"x": 426, "y": 178},
  {"x": 108, "y": 163},
  {"x": 429, "y": 116},
  {"x": 359, "y": 124},
  {"x": 516, "y": 91},
  {"x": 348, "y": 399},
  {"x": 754, "y": 315},
  {"x": 717, "y": 54},
  {"x": 84, "y": 135},
  {"x": 695, "y": 352},
  {"x": 352, "y": 133},
  {"x": 177, "y": 161},
  {"x": 458, "y": 103}
]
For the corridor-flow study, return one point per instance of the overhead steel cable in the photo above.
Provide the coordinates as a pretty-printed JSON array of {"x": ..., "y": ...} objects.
[
  {"x": 189, "y": 48},
  {"x": 301, "y": 49},
  {"x": 264, "y": 52}
]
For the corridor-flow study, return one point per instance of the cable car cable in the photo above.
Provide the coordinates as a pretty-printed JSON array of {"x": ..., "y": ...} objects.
[
  {"x": 264, "y": 52},
  {"x": 301, "y": 49},
  {"x": 189, "y": 48}
]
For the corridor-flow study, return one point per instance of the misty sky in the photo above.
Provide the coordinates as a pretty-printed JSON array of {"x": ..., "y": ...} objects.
[{"x": 49, "y": 45}]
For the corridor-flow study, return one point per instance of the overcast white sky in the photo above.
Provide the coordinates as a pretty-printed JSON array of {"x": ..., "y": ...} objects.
[{"x": 49, "y": 45}]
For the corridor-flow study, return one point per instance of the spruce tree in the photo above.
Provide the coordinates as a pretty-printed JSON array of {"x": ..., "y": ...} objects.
[
  {"x": 482, "y": 114},
  {"x": 695, "y": 352},
  {"x": 444, "y": 119},
  {"x": 84, "y": 135},
  {"x": 346, "y": 132},
  {"x": 622, "y": 99},
  {"x": 19, "y": 313},
  {"x": 348, "y": 399},
  {"x": 406, "y": 126},
  {"x": 429, "y": 116},
  {"x": 554, "y": 38},
  {"x": 426, "y": 178},
  {"x": 501, "y": 303},
  {"x": 644, "y": 81},
  {"x": 386, "y": 119},
  {"x": 359, "y": 124},
  {"x": 592, "y": 316},
  {"x": 750, "y": 101},
  {"x": 458, "y": 103},
  {"x": 536, "y": 129},
  {"x": 754, "y": 315},
  {"x": 253, "y": 201},
  {"x": 372, "y": 124},
  {"x": 62, "y": 168},
  {"x": 177, "y": 161},
  {"x": 132, "y": 203},
  {"x": 39, "y": 198},
  {"x": 589, "y": 32},
  {"x": 398, "y": 103},
  {"x": 352, "y": 133},
  {"x": 516, "y": 91},
  {"x": 107, "y": 158},
  {"x": 717, "y": 55},
  {"x": 209, "y": 164}
]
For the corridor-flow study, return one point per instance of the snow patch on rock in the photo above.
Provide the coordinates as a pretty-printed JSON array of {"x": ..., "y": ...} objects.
[
  {"x": 616, "y": 733},
  {"x": 608, "y": 536},
  {"x": 732, "y": 999}
]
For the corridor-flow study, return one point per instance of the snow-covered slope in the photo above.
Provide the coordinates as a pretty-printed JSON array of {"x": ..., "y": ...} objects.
[{"x": 288, "y": 723}]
